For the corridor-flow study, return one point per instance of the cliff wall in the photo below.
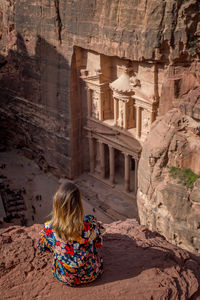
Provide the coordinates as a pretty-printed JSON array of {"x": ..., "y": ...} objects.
[
  {"x": 171, "y": 204},
  {"x": 39, "y": 111},
  {"x": 40, "y": 90}
]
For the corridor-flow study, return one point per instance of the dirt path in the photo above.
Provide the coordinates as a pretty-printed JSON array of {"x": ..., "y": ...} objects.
[{"x": 20, "y": 173}]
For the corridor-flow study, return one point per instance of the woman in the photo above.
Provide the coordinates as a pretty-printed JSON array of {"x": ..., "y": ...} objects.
[{"x": 72, "y": 238}]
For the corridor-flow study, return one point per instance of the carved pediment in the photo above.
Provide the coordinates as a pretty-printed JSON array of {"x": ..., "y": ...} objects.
[{"x": 113, "y": 135}]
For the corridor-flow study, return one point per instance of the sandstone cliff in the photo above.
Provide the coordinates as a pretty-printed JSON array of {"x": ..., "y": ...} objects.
[
  {"x": 135, "y": 30},
  {"x": 138, "y": 265},
  {"x": 37, "y": 40},
  {"x": 164, "y": 203},
  {"x": 41, "y": 115}
]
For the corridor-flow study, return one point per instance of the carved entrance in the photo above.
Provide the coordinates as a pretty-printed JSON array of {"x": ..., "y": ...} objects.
[{"x": 116, "y": 115}]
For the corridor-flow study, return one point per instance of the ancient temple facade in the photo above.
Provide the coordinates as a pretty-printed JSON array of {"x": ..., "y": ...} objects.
[{"x": 118, "y": 109}]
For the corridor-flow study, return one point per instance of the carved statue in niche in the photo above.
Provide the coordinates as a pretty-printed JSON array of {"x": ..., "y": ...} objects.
[
  {"x": 135, "y": 82},
  {"x": 95, "y": 105},
  {"x": 121, "y": 114},
  {"x": 95, "y": 110},
  {"x": 146, "y": 125}
]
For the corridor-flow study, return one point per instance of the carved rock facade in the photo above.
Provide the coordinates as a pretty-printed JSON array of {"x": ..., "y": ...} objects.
[
  {"x": 40, "y": 110},
  {"x": 118, "y": 114},
  {"x": 81, "y": 81}
]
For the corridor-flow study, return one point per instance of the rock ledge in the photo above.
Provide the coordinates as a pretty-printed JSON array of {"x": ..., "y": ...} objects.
[{"x": 138, "y": 264}]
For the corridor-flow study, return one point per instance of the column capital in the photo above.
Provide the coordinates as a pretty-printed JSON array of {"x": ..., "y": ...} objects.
[
  {"x": 126, "y": 154},
  {"x": 100, "y": 142},
  {"x": 137, "y": 105}
]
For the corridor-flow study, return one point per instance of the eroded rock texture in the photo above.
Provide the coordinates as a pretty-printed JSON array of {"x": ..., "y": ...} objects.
[
  {"x": 42, "y": 97},
  {"x": 164, "y": 204},
  {"x": 39, "y": 109},
  {"x": 138, "y": 265}
]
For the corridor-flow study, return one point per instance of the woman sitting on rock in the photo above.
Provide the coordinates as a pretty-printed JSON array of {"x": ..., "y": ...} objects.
[{"x": 72, "y": 238}]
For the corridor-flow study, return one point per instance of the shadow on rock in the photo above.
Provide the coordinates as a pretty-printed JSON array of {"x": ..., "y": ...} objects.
[{"x": 124, "y": 258}]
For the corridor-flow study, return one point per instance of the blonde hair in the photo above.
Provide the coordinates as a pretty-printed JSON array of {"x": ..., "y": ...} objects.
[{"x": 67, "y": 215}]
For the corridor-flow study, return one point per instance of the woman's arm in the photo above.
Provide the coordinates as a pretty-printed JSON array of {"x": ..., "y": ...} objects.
[
  {"x": 99, "y": 239},
  {"x": 96, "y": 230},
  {"x": 45, "y": 242}
]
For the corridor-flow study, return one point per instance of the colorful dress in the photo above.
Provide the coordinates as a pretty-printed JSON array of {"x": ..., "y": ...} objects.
[{"x": 75, "y": 262}]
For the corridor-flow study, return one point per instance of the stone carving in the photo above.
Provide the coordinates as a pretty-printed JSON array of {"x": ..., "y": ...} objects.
[
  {"x": 128, "y": 98},
  {"x": 97, "y": 35},
  {"x": 135, "y": 82},
  {"x": 96, "y": 97},
  {"x": 95, "y": 105},
  {"x": 122, "y": 91},
  {"x": 146, "y": 123},
  {"x": 121, "y": 114}
]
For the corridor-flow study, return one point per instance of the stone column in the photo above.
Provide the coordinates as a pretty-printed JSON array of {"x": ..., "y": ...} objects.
[
  {"x": 127, "y": 172},
  {"x": 125, "y": 116},
  {"x": 136, "y": 177},
  {"x": 112, "y": 164},
  {"x": 115, "y": 111},
  {"x": 152, "y": 114},
  {"x": 102, "y": 159},
  {"x": 91, "y": 153},
  {"x": 89, "y": 101},
  {"x": 138, "y": 121},
  {"x": 100, "y": 106}
]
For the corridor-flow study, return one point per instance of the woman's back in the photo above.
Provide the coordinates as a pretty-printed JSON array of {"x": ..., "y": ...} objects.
[{"x": 75, "y": 261}]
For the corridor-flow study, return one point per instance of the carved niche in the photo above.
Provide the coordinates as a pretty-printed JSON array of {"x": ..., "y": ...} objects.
[{"x": 99, "y": 106}]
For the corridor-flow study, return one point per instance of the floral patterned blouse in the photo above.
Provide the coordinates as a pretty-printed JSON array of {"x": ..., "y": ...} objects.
[{"x": 75, "y": 262}]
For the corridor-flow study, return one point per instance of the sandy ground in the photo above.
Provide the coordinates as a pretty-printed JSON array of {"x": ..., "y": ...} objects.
[
  {"x": 24, "y": 173},
  {"x": 114, "y": 201}
]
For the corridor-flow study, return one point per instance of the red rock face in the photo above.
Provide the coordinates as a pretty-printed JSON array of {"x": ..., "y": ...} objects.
[
  {"x": 177, "y": 84},
  {"x": 37, "y": 41},
  {"x": 136, "y": 261},
  {"x": 41, "y": 110},
  {"x": 164, "y": 204}
]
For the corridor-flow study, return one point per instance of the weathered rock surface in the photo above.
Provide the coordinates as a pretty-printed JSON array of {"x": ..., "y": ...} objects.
[
  {"x": 138, "y": 265},
  {"x": 37, "y": 40},
  {"x": 136, "y": 29},
  {"x": 190, "y": 104},
  {"x": 42, "y": 115},
  {"x": 178, "y": 81},
  {"x": 164, "y": 204}
]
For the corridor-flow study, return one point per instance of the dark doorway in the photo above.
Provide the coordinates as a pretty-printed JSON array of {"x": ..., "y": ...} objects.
[
  {"x": 132, "y": 175},
  {"x": 119, "y": 168}
]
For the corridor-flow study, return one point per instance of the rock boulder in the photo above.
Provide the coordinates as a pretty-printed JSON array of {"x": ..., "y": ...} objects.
[{"x": 165, "y": 204}]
